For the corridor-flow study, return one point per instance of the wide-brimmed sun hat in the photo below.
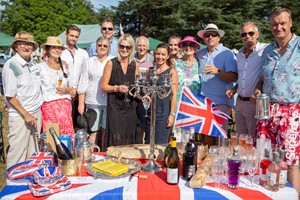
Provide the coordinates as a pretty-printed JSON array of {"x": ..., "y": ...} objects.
[
  {"x": 52, "y": 41},
  {"x": 211, "y": 28},
  {"x": 25, "y": 37},
  {"x": 189, "y": 39}
]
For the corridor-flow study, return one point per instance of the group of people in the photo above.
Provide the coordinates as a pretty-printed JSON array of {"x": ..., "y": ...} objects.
[{"x": 72, "y": 80}]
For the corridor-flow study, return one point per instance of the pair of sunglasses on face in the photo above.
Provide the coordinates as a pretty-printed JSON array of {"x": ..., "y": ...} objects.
[
  {"x": 102, "y": 45},
  {"x": 107, "y": 28},
  {"x": 214, "y": 34},
  {"x": 250, "y": 33},
  {"x": 188, "y": 45},
  {"x": 125, "y": 47}
]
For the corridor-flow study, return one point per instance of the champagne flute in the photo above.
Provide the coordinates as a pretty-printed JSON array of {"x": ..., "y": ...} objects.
[
  {"x": 127, "y": 100},
  {"x": 252, "y": 163},
  {"x": 146, "y": 104},
  {"x": 79, "y": 160}
]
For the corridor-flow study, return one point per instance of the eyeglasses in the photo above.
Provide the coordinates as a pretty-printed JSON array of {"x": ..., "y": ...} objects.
[
  {"x": 125, "y": 47},
  {"x": 107, "y": 28},
  {"x": 251, "y": 33},
  {"x": 102, "y": 45},
  {"x": 207, "y": 35},
  {"x": 188, "y": 45},
  {"x": 23, "y": 44}
]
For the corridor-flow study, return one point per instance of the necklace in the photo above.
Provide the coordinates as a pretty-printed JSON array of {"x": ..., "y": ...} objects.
[{"x": 53, "y": 65}]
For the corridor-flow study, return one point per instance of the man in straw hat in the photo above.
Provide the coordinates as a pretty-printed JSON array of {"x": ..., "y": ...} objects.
[
  {"x": 22, "y": 82},
  {"x": 218, "y": 70}
]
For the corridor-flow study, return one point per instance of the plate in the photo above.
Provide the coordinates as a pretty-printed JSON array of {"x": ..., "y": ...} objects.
[{"x": 133, "y": 167}]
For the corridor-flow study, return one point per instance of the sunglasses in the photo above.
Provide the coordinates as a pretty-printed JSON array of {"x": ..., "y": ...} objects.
[
  {"x": 207, "y": 35},
  {"x": 125, "y": 47},
  {"x": 251, "y": 33},
  {"x": 107, "y": 28},
  {"x": 188, "y": 45},
  {"x": 102, "y": 45}
]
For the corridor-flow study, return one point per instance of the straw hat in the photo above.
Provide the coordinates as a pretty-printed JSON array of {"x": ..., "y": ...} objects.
[
  {"x": 24, "y": 37},
  {"x": 211, "y": 28},
  {"x": 52, "y": 41},
  {"x": 189, "y": 39}
]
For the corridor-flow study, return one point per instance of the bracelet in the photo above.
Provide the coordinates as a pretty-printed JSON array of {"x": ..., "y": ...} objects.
[
  {"x": 173, "y": 114},
  {"x": 218, "y": 71},
  {"x": 115, "y": 88}
]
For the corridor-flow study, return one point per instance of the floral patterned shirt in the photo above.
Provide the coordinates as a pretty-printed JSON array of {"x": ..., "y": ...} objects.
[
  {"x": 187, "y": 75},
  {"x": 281, "y": 74}
]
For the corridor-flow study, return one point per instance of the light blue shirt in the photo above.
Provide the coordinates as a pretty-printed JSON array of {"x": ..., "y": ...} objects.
[
  {"x": 215, "y": 88},
  {"x": 281, "y": 74},
  {"x": 249, "y": 69},
  {"x": 113, "y": 48}
]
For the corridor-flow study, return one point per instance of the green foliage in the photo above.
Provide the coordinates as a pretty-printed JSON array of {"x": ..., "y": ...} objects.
[{"x": 44, "y": 18}]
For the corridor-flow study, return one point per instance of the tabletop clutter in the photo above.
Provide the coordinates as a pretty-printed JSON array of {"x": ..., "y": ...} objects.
[{"x": 224, "y": 164}]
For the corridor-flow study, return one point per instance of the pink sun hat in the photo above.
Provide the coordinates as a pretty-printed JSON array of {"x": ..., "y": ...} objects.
[{"x": 189, "y": 39}]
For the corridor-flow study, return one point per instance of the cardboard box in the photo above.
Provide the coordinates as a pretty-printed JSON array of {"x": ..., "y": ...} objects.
[{"x": 50, "y": 142}]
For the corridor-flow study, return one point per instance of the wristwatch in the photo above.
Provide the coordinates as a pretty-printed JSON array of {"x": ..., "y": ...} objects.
[{"x": 218, "y": 72}]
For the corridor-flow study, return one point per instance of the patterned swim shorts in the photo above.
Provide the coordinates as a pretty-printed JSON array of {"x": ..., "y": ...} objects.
[{"x": 283, "y": 129}]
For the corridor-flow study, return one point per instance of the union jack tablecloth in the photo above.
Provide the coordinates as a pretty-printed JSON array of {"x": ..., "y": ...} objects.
[{"x": 152, "y": 188}]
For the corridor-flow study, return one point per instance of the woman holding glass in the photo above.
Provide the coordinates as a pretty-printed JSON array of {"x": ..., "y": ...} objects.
[
  {"x": 91, "y": 96},
  {"x": 57, "y": 106},
  {"x": 119, "y": 73},
  {"x": 165, "y": 108}
]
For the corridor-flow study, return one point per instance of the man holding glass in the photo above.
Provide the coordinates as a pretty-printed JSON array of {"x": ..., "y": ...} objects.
[
  {"x": 217, "y": 69},
  {"x": 249, "y": 64},
  {"x": 22, "y": 82},
  {"x": 280, "y": 81}
]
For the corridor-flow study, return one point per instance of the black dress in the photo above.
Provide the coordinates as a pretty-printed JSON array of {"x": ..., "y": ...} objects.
[{"x": 121, "y": 115}]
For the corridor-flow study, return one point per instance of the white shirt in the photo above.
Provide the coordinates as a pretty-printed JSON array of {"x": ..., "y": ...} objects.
[
  {"x": 50, "y": 82},
  {"x": 90, "y": 81},
  {"x": 75, "y": 63},
  {"x": 249, "y": 69},
  {"x": 23, "y": 82}
]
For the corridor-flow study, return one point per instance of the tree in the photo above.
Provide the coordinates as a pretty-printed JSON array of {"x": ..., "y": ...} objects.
[{"x": 44, "y": 18}]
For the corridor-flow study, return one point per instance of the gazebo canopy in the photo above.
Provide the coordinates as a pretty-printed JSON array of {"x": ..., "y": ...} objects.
[{"x": 6, "y": 40}]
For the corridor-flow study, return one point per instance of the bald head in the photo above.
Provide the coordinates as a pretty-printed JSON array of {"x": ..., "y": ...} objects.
[{"x": 142, "y": 46}]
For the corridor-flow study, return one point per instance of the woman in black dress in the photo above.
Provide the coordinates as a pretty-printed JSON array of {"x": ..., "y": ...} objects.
[
  {"x": 118, "y": 74},
  {"x": 166, "y": 107}
]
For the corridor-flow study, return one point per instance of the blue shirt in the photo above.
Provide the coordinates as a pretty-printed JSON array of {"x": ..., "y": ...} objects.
[
  {"x": 113, "y": 48},
  {"x": 281, "y": 73},
  {"x": 215, "y": 88}
]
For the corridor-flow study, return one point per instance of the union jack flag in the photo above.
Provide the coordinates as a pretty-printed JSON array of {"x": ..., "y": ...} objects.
[
  {"x": 25, "y": 169},
  {"x": 199, "y": 112}
]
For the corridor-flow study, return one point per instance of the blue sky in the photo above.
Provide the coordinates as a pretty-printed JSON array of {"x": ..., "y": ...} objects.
[{"x": 106, "y": 3}]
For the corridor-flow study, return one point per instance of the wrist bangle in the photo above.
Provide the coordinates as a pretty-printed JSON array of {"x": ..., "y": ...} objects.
[
  {"x": 115, "y": 88},
  {"x": 173, "y": 114}
]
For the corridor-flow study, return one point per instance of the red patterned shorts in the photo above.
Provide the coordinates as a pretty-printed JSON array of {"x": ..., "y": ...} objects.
[{"x": 283, "y": 129}]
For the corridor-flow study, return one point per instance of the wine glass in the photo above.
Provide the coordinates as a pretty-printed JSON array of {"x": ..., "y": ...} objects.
[
  {"x": 252, "y": 163},
  {"x": 79, "y": 159},
  {"x": 127, "y": 100},
  {"x": 146, "y": 104}
]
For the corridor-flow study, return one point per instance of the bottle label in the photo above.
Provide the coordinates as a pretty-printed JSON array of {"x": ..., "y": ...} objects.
[
  {"x": 271, "y": 178},
  {"x": 283, "y": 177},
  {"x": 263, "y": 177},
  {"x": 191, "y": 171},
  {"x": 172, "y": 175}
]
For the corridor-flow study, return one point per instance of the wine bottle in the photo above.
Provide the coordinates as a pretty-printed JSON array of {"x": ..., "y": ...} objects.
[
  {"x": 273, "y": 173},
  {"x": 173, "y": 164},
  {"x": 189, "y": 161},
  {"x": 283, "y": 172},
  {"x": 62, "y": 151},
  {"x": 168, "y": 148},
  {"x": 264, "y": 164}
]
